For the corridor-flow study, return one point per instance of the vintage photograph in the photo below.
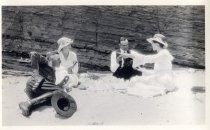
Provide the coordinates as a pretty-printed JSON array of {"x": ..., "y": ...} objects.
[{"x": 103, "y": 65}]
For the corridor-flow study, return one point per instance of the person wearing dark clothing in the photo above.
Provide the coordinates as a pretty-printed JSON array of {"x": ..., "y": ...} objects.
[
  {"x": 122, "y": 67},
  {"x": 41, "y": 85}
]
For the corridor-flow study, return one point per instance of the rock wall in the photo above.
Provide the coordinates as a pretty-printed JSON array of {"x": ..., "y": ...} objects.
[{"x": 97, "y": 30}]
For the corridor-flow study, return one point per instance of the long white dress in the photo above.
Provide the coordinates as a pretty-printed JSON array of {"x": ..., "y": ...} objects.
[
  {"x": 160, "y": 81},
  {"x": 62, "y": 70}
]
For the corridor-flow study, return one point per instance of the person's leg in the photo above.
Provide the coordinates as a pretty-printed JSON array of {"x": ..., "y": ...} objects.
[
  {"x": 127, "y": 73},
  {"x": 124, "y": 73},
  {"x": 41, "y": 96},
  {"x": 46, "y": 87},
  {"x": 118, "y": 73},
  {"x": 29, "y": 85},
  {"x": 28, "y": 105}
]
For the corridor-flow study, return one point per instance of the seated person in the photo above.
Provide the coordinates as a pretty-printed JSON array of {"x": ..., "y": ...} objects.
[
  {"x": 61, "y": 73},
  {"x": 68, "y": 61},
  {"x": 161, "y": 80},
  {"x": 43, "y": 82},
  {"x": 122, "y": 67}
]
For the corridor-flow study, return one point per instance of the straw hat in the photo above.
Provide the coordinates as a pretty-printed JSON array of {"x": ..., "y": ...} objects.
[
  {"x": 159, "y": 38},
  {"x": 63, "y": 42}
]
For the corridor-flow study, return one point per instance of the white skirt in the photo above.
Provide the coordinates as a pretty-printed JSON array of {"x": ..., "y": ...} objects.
[
  {"x": 151, "y": 86},
  {"x": 73, "y": 78}
]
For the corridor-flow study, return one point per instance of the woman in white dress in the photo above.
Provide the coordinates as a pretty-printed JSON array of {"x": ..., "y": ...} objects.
[
  {"x": 160, "y": 80},
  {"x": 68, "y": 63}
]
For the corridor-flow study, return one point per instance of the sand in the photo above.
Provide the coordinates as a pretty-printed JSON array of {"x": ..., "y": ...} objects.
[{"x": 105, "y": 106}]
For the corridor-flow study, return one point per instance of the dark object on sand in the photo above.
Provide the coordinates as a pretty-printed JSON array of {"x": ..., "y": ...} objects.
[
  {"x": 198, "y": 89},
  {"x": 63, "y": 104},
  {"x": 27, "y": 106},
  {"x": 41, "y": 87}
]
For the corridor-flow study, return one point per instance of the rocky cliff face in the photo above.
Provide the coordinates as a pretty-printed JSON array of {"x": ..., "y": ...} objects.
[{"x": 97, "y": 30}]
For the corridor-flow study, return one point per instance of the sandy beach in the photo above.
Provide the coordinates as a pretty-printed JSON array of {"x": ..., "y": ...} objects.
[{"x": 110, "y": 107}]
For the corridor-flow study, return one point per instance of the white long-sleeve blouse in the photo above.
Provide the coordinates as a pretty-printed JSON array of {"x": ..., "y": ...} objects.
[{"x": 162, "y": 60}]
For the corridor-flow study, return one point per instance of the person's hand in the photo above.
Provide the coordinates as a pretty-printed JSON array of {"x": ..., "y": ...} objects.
[
  {"x": 68, "y": 89},
  {"x": 64, "y": 81},
  {"x": 129, "y": 63},
  {"x": 33, "y": 53},
  {"x": 70, "y": 70},
  {"x": 119, "y": 58},
  {"x": 126, "y": 55},
  {"x": 51, "y": 53}
]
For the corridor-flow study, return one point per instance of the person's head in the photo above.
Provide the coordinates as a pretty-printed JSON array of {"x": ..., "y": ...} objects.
[
  {"x": 158, "y": 42},
  {"x": 54, "y": 60},
  {"x": 124, "y": 45},
  {"x": 64, "y": 44}
]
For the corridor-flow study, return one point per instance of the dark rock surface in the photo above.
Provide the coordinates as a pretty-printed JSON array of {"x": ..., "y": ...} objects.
[{"x": 97, "y": 30}]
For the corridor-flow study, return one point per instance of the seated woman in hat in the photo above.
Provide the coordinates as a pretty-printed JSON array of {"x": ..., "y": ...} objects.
[
  {"x": 161, "y": 80},
  {"x": 68, "y": 63}
]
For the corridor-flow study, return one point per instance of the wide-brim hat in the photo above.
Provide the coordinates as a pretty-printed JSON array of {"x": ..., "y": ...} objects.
[
  {"x": 159, "y": 38},
  {"x": 63, "y": 104},
  {"x": 63, "y": 42}
]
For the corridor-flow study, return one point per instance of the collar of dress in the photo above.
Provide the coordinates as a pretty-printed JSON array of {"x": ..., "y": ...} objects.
[{"x": 63, "y": 59}]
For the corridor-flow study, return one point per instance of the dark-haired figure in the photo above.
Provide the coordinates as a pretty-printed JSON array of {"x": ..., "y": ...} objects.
[{"x": 122, "y": 66}]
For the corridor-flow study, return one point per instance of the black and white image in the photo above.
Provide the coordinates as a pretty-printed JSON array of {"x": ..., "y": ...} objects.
[{"x": 103, "y": 65}]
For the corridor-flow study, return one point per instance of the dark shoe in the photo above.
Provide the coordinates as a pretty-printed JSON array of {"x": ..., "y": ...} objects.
[{"x": 25, "y": 107}]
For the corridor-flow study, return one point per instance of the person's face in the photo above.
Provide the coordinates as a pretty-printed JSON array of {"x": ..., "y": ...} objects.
[
  {"x": 124, "y": 46},
  {"x": 155, "y": 46},
  {"x": 50, "y": 61},
  {"x": 53, "y": 62},
  {"x": 66, "y": 49},
  {"x": 56, "y": 63}
]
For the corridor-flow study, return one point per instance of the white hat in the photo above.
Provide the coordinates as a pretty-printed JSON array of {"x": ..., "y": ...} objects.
[
  {"x": 63, "y": 42},
  {"x": 159, "y": 38}
]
